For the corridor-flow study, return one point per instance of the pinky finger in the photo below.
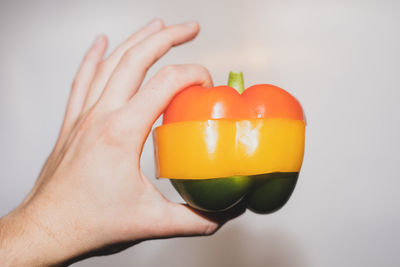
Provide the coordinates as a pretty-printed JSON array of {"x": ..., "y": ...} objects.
[{"x": 83, "y": 79}]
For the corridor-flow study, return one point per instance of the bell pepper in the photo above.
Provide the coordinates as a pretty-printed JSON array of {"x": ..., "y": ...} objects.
[{"x": 223, "y": 145}]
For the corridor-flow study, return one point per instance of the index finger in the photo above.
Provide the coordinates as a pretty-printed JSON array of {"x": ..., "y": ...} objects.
[{"x": 133, "y": 66}]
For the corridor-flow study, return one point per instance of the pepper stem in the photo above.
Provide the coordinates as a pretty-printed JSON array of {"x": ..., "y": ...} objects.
[{"x": 236, "y": 81}]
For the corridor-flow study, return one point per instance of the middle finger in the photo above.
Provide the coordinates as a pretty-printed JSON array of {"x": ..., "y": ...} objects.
[
  {"x": 133, "y": 66},
  {"x": 109, "y": 64}
]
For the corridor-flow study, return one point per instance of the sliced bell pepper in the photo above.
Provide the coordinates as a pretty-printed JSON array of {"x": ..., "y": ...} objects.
[{"x": 223, "y": 145}]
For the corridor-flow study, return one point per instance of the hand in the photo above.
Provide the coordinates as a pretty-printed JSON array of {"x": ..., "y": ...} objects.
[{"x": 91, "y": 196}]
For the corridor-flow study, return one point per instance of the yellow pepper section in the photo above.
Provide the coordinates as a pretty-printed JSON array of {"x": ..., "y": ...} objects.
[{"x": 223, "y": 148}]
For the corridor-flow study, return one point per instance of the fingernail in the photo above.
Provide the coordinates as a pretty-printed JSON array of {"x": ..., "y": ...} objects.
[
  {"x": 98, "y": 39},
  {"x": 191, "y": 25}
]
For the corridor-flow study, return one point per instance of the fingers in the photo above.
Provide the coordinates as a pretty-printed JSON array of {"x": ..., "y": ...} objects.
[
  {"x": 108, "y": 66},
  {"x": 154, "y": 96},
  {"x": 133, "y": 66},
  {"x": 152, "y": 27},
  {"x": 84, "y": 76},
  {"x": 185, "y": 221}
]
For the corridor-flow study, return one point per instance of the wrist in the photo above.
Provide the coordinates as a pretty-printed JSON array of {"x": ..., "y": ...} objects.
[
  {"x": 21, "y": 243},
  {"x": 27, "y": 239}
]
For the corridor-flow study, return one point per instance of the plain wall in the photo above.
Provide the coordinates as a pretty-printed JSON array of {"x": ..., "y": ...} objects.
[{"x": 341, "y": 59}]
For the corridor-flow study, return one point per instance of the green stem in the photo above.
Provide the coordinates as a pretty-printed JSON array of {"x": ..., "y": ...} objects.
[{"x": 236, "y": 81}]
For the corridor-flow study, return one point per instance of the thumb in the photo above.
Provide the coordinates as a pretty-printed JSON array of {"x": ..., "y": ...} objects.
[
  {"x": 185, "y": 221},
  {"x": 153, "y": 98}
]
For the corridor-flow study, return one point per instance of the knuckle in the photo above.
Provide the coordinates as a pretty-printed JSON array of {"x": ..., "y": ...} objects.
[
  {"x": 103, "y": 67},
  {"x": 169, "y": 38},
  {"x": 133, "y": 54},
  {"x": 203, "y": 75},
  {"x": 200, "y": 67},
  {"x": 203, "y": 70},
  {"x": 113, "y": 129},
  {"x": 171, "y": 72},
  {"x": 90, "y": 57},
  {"x": 105, "y": 128}
]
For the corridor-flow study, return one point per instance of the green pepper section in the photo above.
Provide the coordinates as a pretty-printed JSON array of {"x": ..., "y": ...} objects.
[{"x": 264, "y": 193}]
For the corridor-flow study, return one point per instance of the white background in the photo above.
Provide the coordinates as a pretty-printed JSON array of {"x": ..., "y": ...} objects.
[{"x": 341, "y": 59}]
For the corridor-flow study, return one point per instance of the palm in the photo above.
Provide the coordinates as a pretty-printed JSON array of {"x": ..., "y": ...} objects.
[{"x": 91, "y": 196}]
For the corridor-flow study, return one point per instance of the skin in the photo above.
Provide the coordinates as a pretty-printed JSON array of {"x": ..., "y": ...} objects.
[{"x": 91, "y": 197}]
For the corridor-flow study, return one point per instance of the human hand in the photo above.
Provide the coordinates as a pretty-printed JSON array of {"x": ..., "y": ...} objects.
[{"x": 91, "y": 196}]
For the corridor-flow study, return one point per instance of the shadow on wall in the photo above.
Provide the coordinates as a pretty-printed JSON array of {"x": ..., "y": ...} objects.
[{"x": 233, "y": 246}]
